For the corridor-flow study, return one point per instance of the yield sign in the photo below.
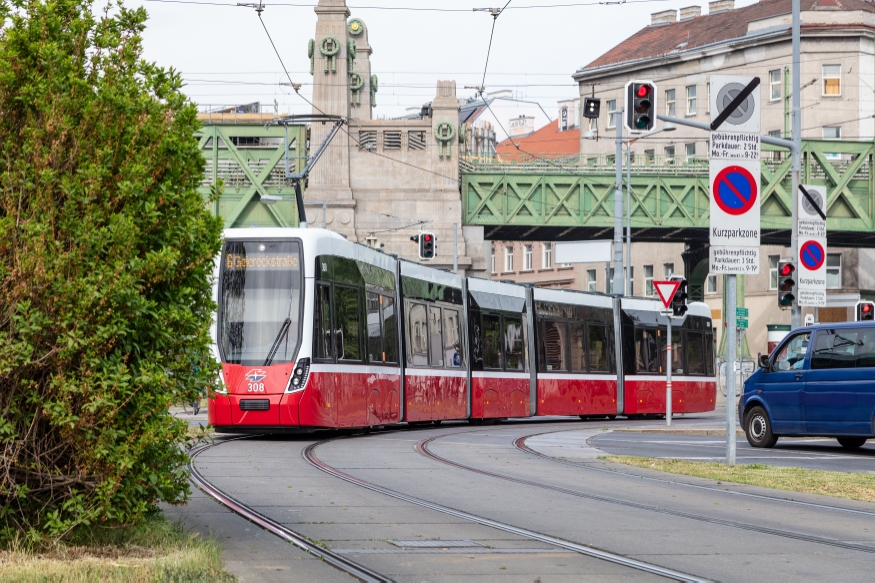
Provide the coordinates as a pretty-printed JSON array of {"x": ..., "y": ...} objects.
[{"x": 666, "y": 290}]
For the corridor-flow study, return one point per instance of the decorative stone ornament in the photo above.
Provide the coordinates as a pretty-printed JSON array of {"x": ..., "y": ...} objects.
[
  {"x": 350, "y": 54},
  {"x": 445, "y": 132},
  {"x": 356, "y": 82},
  {"x": 374, "y": 87},
  {"x": 311, "y": 52},
  {"x": 356, "y": 27},
  {"x": 329, "y": 47}
]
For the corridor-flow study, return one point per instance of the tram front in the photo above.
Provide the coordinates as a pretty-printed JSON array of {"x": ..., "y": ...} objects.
[{"x": 259, "y": 334}]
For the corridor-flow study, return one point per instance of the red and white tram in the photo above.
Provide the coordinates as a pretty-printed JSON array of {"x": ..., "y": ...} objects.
[{"x": 314, "y": 331}]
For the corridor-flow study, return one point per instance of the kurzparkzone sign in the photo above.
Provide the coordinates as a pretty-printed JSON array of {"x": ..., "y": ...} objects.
[
  {"x": 734, "y": 230},
  {"x": 811, "y": 278}
]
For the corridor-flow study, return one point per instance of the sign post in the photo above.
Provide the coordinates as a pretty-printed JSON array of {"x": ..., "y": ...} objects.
[
  {"x": 666, "y": 291},
  {"x": 735, "y": 206},
  {"x": 811, "y": 238}
]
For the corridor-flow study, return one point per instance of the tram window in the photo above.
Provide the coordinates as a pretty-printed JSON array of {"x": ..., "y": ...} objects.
[
  {"x": 646, "y": 351},
  {"x": 677, "y": 354},
  {"x": 597, "y": 348},
  {"x": 417, "y": 347},
  {"x": 452, "y": 339},
  {"x": 347, "y": 316},
  {"x": 322, "y": 328},
  {"x": 390, "y": 353},
  {"x": 695, "y": 353},
  {"x": 554, "y": 346},
  {"x": 491, "y": 341},
  {"x": 709, "y": 354},
  {"x": 375, "y": 340},
  {"x": 513, "y": 344},
  {"x": 435, "y": 338},
  {"x": 578, "y": 352}
]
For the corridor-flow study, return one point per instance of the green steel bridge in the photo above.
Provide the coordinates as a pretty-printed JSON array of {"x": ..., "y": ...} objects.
[{"x": 562, "y": 199}]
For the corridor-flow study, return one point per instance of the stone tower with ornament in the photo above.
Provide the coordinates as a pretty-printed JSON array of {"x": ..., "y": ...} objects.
[{"x": 379, "y": 177}]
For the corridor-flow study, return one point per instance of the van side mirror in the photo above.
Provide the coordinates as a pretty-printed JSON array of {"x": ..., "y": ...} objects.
[{"x": 764, "y": 363}]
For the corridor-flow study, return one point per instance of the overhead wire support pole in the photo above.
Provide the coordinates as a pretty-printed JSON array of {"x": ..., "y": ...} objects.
[
  {"x": 796, "y": 164},
  {"x": 617, "y": 287}
]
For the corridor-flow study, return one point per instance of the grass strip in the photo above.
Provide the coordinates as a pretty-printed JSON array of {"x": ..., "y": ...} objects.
[
  {"x": 156, "y": 550},
  {"x": 851, "y": 485}
]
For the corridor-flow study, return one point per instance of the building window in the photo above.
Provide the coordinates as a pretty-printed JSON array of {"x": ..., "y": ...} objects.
[
  {"x": 669, "y": 152},
  {"x": 508, "y": 259},
  {"x": 609, "y": 284},
  {"x": 691, "y": 150},
  {"x": 670, "y": 102},
  {"x": 773, "y": 271},
  {"x": 648, "y": 280},
  {"x": 832, "y": 133},
  {"x": 775, "y": 134},
  {"x": 613, "y": 116},
  {"x": 547, "y": 258},
  {"x": 775, "y": 85},
  {"x": 493, "y": 259},
  {"x": 590, "y": 280},
  {"x": 650, "y": 156},
  {"x": 630, "y": 286},
  {"x": 711, "y": 284},
  {"x": 667, "y": 270},
  {"x": 832, "y": 80},
  {"x": 527, "y": 257},
  {"x": 833, "y": 270},
  {"x": 691, "y": 100},
  {"x": 708, "y": 103}
]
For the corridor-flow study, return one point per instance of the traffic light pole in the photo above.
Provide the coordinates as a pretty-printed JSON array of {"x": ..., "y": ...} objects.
[
  {"x": 796, "y": 167},
  {"x": 618, "y": 210},
  {"x": 668, "y": 364}
]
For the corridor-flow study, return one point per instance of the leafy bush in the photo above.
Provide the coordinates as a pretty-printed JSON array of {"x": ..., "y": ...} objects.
[{"x": 106, "y": 253}]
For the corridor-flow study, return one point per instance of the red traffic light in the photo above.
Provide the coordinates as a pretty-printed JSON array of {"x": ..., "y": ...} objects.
[
  {"x": 643, "y": 90},
  {"x": 787, "y": 269},
  {"x": 428, "y": 237},
  {"x": 867, "y": 308}
]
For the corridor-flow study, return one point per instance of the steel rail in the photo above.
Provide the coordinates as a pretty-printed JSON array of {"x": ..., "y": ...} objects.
[
  {"x": 334, "y": 559},
  {"x": 422, "y": 448},
  {"x": 521, "y": 445},
  {"x": 310, "y": 456}
]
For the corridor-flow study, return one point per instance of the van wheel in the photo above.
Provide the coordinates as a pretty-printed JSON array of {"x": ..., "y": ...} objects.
[
  {"x": 758, "y": 428},
  {"x": 851, "y": 442}
]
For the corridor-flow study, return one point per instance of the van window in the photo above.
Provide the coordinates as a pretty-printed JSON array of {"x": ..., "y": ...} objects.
[
  {"x": 792, "y": 356},
  {"x": 844, "y": 348}
]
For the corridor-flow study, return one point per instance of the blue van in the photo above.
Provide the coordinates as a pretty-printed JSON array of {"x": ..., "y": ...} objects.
[{"x": 819, "y": 381}]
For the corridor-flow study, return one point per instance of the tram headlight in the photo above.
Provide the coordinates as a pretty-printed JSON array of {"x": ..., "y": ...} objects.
[{"x": 299, "y": 376}]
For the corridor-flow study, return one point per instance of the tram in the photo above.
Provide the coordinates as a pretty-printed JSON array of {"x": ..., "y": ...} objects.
[{"x": 314, "y": 331}]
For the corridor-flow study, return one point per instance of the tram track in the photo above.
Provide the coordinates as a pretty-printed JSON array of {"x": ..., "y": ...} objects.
[
  {"x": 422, "y": 448},
  {"x": 520, "y": 444},
  {"x": 310, "y": 456},
  {"x": 336, "y": 560}
]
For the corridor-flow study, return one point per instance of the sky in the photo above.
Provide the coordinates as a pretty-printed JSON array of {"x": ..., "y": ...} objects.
[{"x": 226, "y": 58}]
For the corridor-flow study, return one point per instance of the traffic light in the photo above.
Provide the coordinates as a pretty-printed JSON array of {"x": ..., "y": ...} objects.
[
  {"x": 679, "y": 301},
  {"x": 426, "y": 246},
  {"x": 591, "y": 107},
  {"x": 640, "y": 106},
  {"x": 786, "y": 283},
  {"x": 865, "y": 312}
]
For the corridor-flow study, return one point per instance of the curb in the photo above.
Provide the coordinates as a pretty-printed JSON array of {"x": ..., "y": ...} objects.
[{"x": 713, "y": 431}]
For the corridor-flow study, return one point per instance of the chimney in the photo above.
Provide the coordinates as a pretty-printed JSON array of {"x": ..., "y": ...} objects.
[
  {"x": 691, "y": 12},
  {"x": 720, "y": 6},
  {"x": 664, "y": 17}
]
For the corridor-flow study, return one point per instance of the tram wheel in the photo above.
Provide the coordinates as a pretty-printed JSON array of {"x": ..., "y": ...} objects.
[
  {"x": 437, "y": 422},
  {"x": 612, "y": 417},
  {"x": 584, "y": 417},
  {"x": 474, "y": 421}
]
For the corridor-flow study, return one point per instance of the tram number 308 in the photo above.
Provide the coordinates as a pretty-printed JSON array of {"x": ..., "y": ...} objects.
[{"x": 256, "y": 387}]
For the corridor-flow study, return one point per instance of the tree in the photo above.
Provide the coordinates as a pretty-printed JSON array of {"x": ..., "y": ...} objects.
[{"x": 106, "y": 259}]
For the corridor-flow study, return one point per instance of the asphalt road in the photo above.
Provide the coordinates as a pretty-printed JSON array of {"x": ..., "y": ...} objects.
[
  {"x": 662, "y": 523},
  {"x": 812, "y": 453}
]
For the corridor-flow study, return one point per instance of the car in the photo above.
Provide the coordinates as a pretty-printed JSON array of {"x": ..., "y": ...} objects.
[{"x": 819, "y": 381}]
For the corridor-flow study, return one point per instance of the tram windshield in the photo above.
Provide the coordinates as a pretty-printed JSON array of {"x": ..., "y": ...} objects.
[{"x": 260, "y": 302}]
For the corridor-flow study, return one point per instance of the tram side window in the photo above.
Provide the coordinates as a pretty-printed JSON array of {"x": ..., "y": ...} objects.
[
  {"x": 647, "y": 357},
  {"x": 322, "y": 329},
  {"x": 491, "y": 341},
  {"x": 435, "y": 337},
  {"x": 452, "y": 339},
  {"x": 578, "y": 350},
  {"x": 554, "y": 346},
  {"x": 597, "y": 348},
  {"x": 375, "y": 336},
  {"x": 417, "y": 347},
  {"x": 695, "y": 353},
  {"x": 347, "y": 316},
  {"x": 677, "y": 354},
  {"x": 513, "y": 344},
  {"x": 390, "y": 353},
  {"x": 709, "y": 354}
]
